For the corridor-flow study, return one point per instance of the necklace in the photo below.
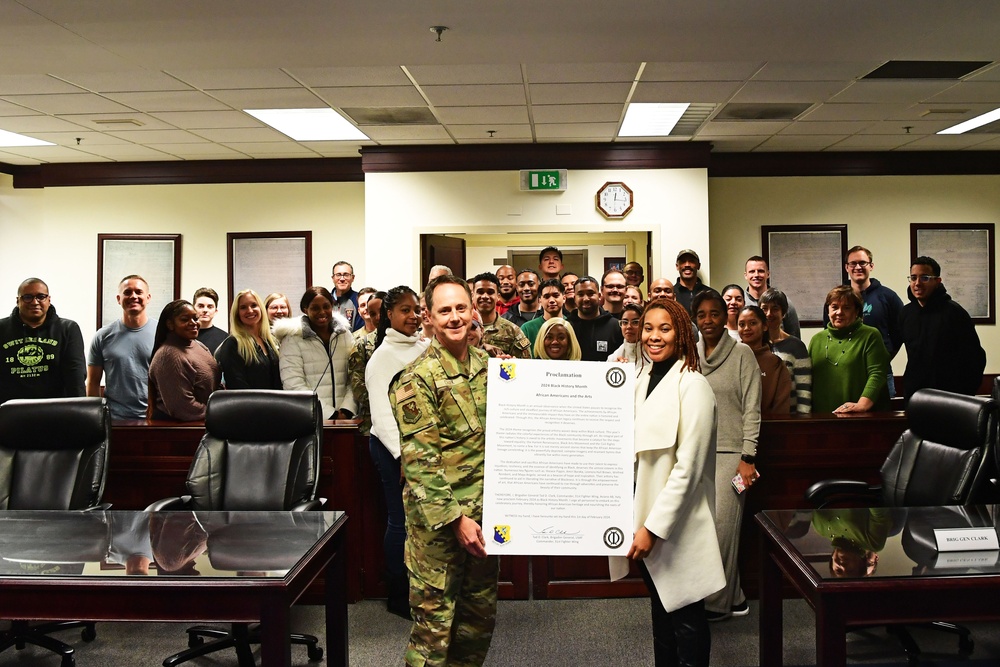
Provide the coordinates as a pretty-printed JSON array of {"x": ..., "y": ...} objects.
[{"x": 829, "y": 339}]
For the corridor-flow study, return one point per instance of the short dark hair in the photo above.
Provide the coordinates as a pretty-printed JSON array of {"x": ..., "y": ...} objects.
[
  {"x": 313, "y": 292},
  {"x": 755, "y": 258},
  {"x": 588, "y": 279},
  {"x": 633, "y": 308},
  {"x": 552, "y": 282},
  {"x": 569, "y": 273},
  {"x": 133, "y": 276},
  {"x": 485, "y": 275},
  {"x": 550, "y": 248},
  {"x": 734, "y": 286},
  {"x": 772, "y": 295},
  {"x": 608, "y": 273},
  {"x": 859, "y": 248},
  {"x": 531, "y": 271},
  {"x": 707, "y": 295},
  {"x": 366, "y": 290},
  {"x": 28, "y": 281},
  {"x": 923, "y": 260},
  {"x": 450, "y": 279},
  {"x": 206, "y": 291}
]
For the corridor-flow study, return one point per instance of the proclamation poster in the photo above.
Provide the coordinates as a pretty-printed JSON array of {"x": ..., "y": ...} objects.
[{"x": 559, "y": 458}]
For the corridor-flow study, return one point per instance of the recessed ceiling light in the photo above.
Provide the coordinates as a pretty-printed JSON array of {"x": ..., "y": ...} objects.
[
  {"x": 651, "y": 119},
  {"x": 11, "y": 139},
  {"x": 973, "y": 123},
  {"x": 309, "y": 124}
]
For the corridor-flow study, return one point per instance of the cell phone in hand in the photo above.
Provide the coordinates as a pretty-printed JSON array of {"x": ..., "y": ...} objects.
[{"x": 738, "y": 482}]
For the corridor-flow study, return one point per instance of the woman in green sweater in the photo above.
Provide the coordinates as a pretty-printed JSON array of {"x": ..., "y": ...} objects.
[{"x": 849, "y": 359}]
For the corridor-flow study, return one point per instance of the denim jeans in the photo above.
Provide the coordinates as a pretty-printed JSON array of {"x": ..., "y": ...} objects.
[{"x": 395, "y": 530}]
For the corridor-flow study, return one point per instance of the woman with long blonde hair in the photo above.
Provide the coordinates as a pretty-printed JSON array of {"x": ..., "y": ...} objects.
[{"x": 249, "y": 356}]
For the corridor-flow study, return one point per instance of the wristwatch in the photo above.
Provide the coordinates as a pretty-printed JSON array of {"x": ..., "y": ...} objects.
[{"x": 747, "y": 458}]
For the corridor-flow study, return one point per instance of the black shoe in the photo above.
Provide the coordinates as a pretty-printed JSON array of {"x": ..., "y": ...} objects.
[
  {"x": 715, "y": 616},
  {"x": 741, "y": 609},
  {"x": 398, "y": 601}
]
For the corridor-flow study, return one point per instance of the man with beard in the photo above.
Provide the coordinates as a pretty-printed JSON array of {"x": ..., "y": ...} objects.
[
  {"x": 688, "y": 283},
  {"x": 508, "y": 289},
  {"x": 497, "y": 331},
  {"x": 597, "y": 330},
  {"x": 613, "y": 292},
  {"x": 552, "y": 306},
  {"x": 527, "y": 289}
]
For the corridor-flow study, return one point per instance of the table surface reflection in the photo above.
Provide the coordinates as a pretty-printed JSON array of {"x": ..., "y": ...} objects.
[
  {"x": 884, "y": 543},
  {"x": 208, "y": 545}
]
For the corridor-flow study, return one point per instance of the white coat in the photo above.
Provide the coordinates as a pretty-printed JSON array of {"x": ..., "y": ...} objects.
[
  {"x": 308, "y": 365},
  {"x": 675, "y": 486}
]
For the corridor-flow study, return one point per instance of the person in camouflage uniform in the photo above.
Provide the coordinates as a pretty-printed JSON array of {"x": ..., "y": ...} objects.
[
  {"x": 440, "y": 406},
  {"x": 364, "y": 345},
  {"x": 498, "y": 332}
]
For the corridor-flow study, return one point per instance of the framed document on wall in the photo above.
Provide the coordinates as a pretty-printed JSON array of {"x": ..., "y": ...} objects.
[
  {"x": 966, "y": 254},
  {"x": 806, "y": 262},
  {"x": 270, "y": 262},
  {"x": 155, "y": 257}
]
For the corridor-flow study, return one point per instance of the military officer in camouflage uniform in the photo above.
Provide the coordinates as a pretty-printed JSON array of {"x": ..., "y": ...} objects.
[
  {"x": 364, "y": 345},
  {"x": 440, "y": 407},
  {"x": 498, "y": 332}
]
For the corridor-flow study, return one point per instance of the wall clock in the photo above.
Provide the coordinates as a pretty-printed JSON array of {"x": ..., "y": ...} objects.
[{"x": 614, "y": 200}]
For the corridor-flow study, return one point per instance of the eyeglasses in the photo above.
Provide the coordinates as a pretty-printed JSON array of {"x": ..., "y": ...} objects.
[
  {"x": 920, "y": 278},
  {"x": 630, "y": 323},
  {"x": 858, "y": 265},
  {"x": 342, "y": 275},
  {"x": 610, "y": 287},
  {"x": 28, "y": 298}
]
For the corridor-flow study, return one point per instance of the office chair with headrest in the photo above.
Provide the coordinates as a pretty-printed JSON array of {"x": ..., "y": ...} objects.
[
  {"x": 260, "y": 451},
  {"x": 53, "y": 456},
  {"x": 945, "y": 457}
]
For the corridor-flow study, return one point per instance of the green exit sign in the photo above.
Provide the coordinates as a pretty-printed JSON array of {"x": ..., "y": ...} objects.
[{"x": 543, "y": 179}]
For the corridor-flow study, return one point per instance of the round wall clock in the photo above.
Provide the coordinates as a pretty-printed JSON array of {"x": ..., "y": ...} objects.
[{"x": 614, "y": 200}]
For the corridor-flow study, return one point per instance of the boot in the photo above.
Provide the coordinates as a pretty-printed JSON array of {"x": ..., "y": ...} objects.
[{"x": 398, "y": 602}]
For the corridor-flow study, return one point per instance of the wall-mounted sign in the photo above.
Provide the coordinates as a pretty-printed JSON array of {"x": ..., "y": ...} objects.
[{"x": 544, "y": 180}]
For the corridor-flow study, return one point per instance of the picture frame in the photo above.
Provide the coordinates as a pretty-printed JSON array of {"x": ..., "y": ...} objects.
[
  {"x": 614, "y": 264},
  {"x": 269, "y": 262},
  {"x": 806, "y": 262},
  {"x": 967, "y": 255},
  {"x": 155, "y": 257}
]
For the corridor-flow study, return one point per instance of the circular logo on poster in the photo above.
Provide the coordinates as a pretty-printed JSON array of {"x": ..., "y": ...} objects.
[
  {"x": 615, "y": 377},
  {"x": 613, "y": 538},
  {"x": 30, "y": 355}
]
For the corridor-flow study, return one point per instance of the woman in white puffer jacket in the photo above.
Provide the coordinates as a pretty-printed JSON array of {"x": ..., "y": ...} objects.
[{"x": 314, "y": 353}]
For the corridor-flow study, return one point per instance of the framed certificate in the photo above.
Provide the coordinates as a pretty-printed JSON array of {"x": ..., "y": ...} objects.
[
  {"x": 966, "y": 255},
  {"x": 155, "y": 257},
  {"x": 270, "y": 262},
  {"x": 806, "y": 262}
]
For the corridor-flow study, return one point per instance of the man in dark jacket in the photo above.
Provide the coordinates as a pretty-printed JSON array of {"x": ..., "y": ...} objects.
[
  {"x": 597, "y": 331},
  {"x": 942, "y": 346},
  {"x": 42, "y": 352}
]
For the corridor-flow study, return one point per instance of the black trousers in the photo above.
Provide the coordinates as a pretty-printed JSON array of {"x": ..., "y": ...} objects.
[{"x": 681, "y": 638}]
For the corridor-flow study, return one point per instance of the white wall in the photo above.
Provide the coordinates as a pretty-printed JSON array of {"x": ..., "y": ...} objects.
[
  {"x": 671, "y": 204},
  {"x": 878, "y": 212}
]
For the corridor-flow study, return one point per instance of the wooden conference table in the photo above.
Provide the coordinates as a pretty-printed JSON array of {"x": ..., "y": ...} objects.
[
  {"x": 912, "y": 582},
  {"x": 240, "y": 567}
]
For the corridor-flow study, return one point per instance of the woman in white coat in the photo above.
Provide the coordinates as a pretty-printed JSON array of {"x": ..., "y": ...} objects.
[
  {"x": 314, "y": 353},
  {"x": 675, "y": 542}
]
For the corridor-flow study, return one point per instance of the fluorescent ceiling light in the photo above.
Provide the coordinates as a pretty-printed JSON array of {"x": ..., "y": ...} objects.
[
  {"x": 309, "y": 124},
  {"x": 11, "y": 139},
  {"x": 973, "y": 123},
  {"x": 644, "y": 119}
]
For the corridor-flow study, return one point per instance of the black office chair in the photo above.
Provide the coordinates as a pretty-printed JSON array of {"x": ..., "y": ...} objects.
[
  {"x": 53, "y": 456},
  {"x": 945, "y": 457},
  {"x": 260, "y": 451}
]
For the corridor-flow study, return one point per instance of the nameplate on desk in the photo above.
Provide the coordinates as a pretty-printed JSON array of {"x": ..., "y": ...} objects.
[
  {"x": 965, "y": 559},
  {"x": 966, "y": 539}
]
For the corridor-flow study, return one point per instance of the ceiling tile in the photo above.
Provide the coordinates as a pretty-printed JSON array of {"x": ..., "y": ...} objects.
[
  {"x": 452, "y": 96},
  {"x": 880, "y": 142},
  {"x": 949, "y": 142},
  {"x": 416, "y": 142},
  {"x": 86, "y": 138},
  {"x": 432, "y": 75},
  {"x": 130, "y": 81},
  {"x": 91, "y": 121},
  {"x": 201, "y": 151},
  {"x": 34, "y": 84},
  {"x": 853, "y": 112},
  {"x": 699, "y": 71},
  {"x": 131, "y": 152},
  {"x": 917, "y": 127},
  {"x": 510, "y": 115},
  {"x": 988, "y": 145},
  {"x": 788, "y": 91},
  {"x": 49, "y": 153},
  {"x": 242, "y": 135},
  {"x": 183, "y": 100},
  {"x": 330, "y": 77},
  {"x": 10, "y": 109},
  {"x": 927, "y": 111},
  {"x": 734, "y": 145},
  {"x": 984, "y": 92},
  {"x": 61, "y": 104},
  {"x": 685, "y": 91},
  {"x": 191, "y": 120},
  {"x": 10, "y": 158},
  {"x": 276, "y": 98},
  {"x": 815, "y": 71},
  {"x": 579, "y": 93},
  {"x": 502, "y": 133},
  {"x": 403, "y": 132},
  {"x": 800, "y": 142},
  {"x": 987, "y": 74},
  {"x": 37, "y": 124},
  {"x": 890, "y": 91},
  {"x": 372, "y": 96},
  {"x": 272, "y": 150},
  {"x": 526, "y": 140},
  {"x": 738, "y": 128},
  {"x": 228, "y": 79},
  {"x": 159, "y": 136},
  {"x": 605, "y": 131},
  {"x": 583, "y": 73},
  {"x": 832, "y": 127},
  {"x": 577, "y": 113}
]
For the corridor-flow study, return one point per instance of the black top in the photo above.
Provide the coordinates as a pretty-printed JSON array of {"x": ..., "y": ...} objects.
[
  {"x": 263, "y": 373},
  {"x": 43, "y": 362},
  {"x": 658, "y": 372},
  {"x": 212, "y": 337}
]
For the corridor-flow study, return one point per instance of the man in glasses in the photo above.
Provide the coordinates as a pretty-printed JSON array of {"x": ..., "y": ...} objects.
[
  {"x": 345, "y": 296},
  {"x": 882, "y": 306},
  {"x": 942, "y": 346},
  {"x": 42, "y": 352}
]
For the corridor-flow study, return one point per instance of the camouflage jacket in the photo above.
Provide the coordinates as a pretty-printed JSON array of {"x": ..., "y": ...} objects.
[
  {"x": 440, "y": 408},
  {"x": 362, "y": 352},
  {"x": 507, "y": 336}
]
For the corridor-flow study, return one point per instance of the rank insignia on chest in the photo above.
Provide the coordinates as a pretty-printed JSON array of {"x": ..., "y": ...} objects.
[{"x": 411, "y": 413}]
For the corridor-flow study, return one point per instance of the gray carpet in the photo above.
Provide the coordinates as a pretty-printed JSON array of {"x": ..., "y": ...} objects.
[{"x": 545, "y": 633}]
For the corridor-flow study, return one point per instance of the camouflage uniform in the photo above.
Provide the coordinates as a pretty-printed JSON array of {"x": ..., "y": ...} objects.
[
  {"x": 362, "y": 352},
  {"x": 440, "y": 407},
  {"x": 507, "y": 336}
]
